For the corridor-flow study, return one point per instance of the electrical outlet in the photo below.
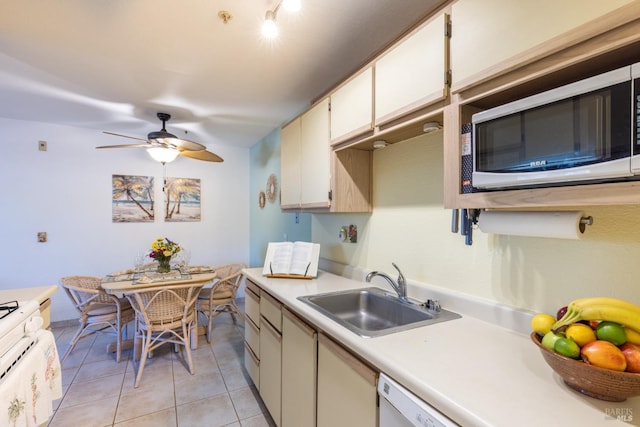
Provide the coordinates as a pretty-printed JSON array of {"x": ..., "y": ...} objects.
[
  {"x": 42, "y": 145},
  {"x": 42, "y": 236}
]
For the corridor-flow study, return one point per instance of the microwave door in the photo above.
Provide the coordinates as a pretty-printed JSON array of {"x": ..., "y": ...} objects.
[{"x": 635, "y": 114}]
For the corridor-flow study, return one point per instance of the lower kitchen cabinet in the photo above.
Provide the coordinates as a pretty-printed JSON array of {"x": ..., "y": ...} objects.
[
  {"x": 252, "y": 332},
  {"x": 271, "y": 369},
  {"x": 346, "y": 388},
  {"x": 299, "y": 370},
  {"x": 271, "y": 355},
  {"x": 305, "y": 379}
]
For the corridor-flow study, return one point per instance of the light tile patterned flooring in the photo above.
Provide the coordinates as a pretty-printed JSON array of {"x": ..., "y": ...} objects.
[{"x": 99, "y": 392}]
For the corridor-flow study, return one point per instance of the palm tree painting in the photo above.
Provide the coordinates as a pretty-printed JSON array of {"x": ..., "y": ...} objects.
[
  {"x": 132, "y": 198},
  {"x": 182, "y": 200}
]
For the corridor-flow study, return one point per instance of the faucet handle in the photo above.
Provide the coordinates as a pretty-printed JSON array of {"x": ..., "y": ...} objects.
[
  {"x": 432, "y": 304},
  {"x": 401, "y": 279}
]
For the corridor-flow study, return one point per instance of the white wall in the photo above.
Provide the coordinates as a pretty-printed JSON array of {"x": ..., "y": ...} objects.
[
  {"x": 66, "y": 191},
  {"x": 410, "y": 226}
]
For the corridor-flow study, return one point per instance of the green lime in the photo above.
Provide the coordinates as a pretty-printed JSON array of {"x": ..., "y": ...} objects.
[
  {"x": 567, "y": 347},
  {"x": 549, "y": 339},
  {"x": 612, "y": 332}
]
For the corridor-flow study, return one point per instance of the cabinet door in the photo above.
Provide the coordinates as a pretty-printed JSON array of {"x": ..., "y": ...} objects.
[
  {"x": 347, "y": 393},
  {"x": 252, "y": 303},
  {"x": 271, "y": 369},
  {"x": 352, "y": 107},
  {"x": 290, "y": 166},
  {"x": 411, "y": 74},
  {"x": 315, "y": 173},
  {"x": 299, "y": 359},
  {"x": 486, "y": 34}
]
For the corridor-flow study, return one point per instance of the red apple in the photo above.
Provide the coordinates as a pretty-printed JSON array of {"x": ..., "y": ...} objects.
[
  {"x": 604, "y": 355},
  {"x": 632, "y": 354}
]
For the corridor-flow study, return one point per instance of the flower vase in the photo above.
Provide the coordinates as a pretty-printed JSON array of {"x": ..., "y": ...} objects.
[{"x": 163, "y": 265}]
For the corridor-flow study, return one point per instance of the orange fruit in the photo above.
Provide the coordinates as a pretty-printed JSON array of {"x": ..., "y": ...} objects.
[
  {"x": 580, "y": 333},
  {"x": 604, "y": 355}
]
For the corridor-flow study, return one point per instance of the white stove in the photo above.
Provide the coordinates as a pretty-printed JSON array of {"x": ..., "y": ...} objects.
[{"x": 18, "y": 332}]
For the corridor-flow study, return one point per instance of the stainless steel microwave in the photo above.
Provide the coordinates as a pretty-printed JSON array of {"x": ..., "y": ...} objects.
[{"x": 587, "y": 131}]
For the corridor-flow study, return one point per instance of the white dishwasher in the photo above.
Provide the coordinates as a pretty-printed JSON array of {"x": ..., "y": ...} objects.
[{"x": 401, "y": 408}]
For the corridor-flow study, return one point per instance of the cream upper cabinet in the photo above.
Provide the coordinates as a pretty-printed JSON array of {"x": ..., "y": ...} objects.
[
  {"x": 315, "y": 173},
  {"x": 290, "y": 155},
  {"x": 305, "y": 160},
  {"x": 491, "y": 36},
  {"x": 412, "y": 73},
  {"x": 352, "y": 107}
]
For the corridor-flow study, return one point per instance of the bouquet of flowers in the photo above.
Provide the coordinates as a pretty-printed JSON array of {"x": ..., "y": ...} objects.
[{"x": 162, "y": 249}]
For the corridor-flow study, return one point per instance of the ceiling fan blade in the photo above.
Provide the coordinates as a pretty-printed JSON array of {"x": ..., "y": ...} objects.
[
  {"x": 205, "y": 155},
  {"x": 127, "y": 146},
  {"x": 184, "y": 144},
  {"x": 124, "y": 136}
]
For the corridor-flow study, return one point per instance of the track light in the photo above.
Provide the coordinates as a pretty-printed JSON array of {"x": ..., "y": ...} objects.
[{"x": 269, "y": 27}]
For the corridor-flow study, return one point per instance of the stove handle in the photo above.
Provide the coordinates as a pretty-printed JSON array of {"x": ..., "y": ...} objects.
[{"x": 34, "y": 324}]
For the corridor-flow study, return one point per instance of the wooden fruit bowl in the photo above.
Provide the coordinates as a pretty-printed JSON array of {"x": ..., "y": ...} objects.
[{"x": 601, "y": 383}]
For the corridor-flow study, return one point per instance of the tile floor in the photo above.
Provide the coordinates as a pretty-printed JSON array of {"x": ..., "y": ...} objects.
[{"x": 99, "y": 392}]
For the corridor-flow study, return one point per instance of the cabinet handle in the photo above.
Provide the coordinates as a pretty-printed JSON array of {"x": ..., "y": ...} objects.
[
  {"x": 252, "y": 354},
  {"x": 250, "y": 292},
  {"x": 356, "y": 364},
  {"x": 269, "y": 327},
  {"x": 252, "y": 325},
  {"x": 299, "y": 322}
]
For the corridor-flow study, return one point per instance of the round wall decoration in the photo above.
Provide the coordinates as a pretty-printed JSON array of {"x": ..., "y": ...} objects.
[
  {"x": 272, "y": 187},
  {"x": 261, "y": 199}
]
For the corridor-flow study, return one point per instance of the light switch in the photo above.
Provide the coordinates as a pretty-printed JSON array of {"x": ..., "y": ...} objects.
[
  {"x": 42, "y": 145},
  {"x": 42, "y": 236}
]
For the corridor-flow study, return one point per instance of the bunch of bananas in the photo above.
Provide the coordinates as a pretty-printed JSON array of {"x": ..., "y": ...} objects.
[{"x": 601, "y": 308}]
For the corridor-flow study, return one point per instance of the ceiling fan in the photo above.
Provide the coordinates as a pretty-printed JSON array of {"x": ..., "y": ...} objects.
[{"x": 165, "y": 147}]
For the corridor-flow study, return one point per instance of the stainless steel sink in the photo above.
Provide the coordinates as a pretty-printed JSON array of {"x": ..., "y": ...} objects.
[{"x": 372, "y": 312}]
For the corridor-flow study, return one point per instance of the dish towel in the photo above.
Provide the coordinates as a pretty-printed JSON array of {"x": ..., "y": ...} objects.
[{"x": 28, "y": 390}]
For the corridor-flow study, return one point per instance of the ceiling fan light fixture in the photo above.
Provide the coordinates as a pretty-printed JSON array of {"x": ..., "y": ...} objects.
[
  {"x": 269, "y": 27},
  {"x": 162, "y": 154}
]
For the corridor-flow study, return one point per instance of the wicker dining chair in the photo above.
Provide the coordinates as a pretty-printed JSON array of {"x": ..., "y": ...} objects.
[
  {"x": 221, "y": 297},
  {"x": 98, "y": 311},
  {"x": 164, "y": 314}
]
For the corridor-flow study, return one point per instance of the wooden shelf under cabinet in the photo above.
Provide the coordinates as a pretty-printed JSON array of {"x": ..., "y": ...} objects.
[{"x": 616, "y": 48}]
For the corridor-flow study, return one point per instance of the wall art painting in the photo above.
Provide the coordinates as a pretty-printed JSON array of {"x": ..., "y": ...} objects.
[
  {"x": 182, "y": 200},
  {"x": 132, "y": 198}
]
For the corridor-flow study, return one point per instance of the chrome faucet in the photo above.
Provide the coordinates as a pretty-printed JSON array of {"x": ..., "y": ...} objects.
[{"x": 400, "y": 286}]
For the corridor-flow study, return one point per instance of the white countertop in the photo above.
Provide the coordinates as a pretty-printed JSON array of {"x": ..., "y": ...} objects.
[
  {"x": 475, "y": 372},
  {"x": 38, "y": 293}
]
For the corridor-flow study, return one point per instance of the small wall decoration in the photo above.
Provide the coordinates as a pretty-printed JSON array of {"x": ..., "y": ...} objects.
[
  {"x": 261, "y": 199},
  {"x": 132, "y": 198},
  {"x": 349, "y": 233},
  {"x": 272, "y": 187},
  {"x": 182, "y": 200}
]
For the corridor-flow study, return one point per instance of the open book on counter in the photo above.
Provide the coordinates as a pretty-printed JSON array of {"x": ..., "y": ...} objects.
[{"x": 292, "y": 260}]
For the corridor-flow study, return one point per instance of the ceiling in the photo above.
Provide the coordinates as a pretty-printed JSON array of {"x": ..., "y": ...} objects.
[{"x": 111, "y": 65}]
